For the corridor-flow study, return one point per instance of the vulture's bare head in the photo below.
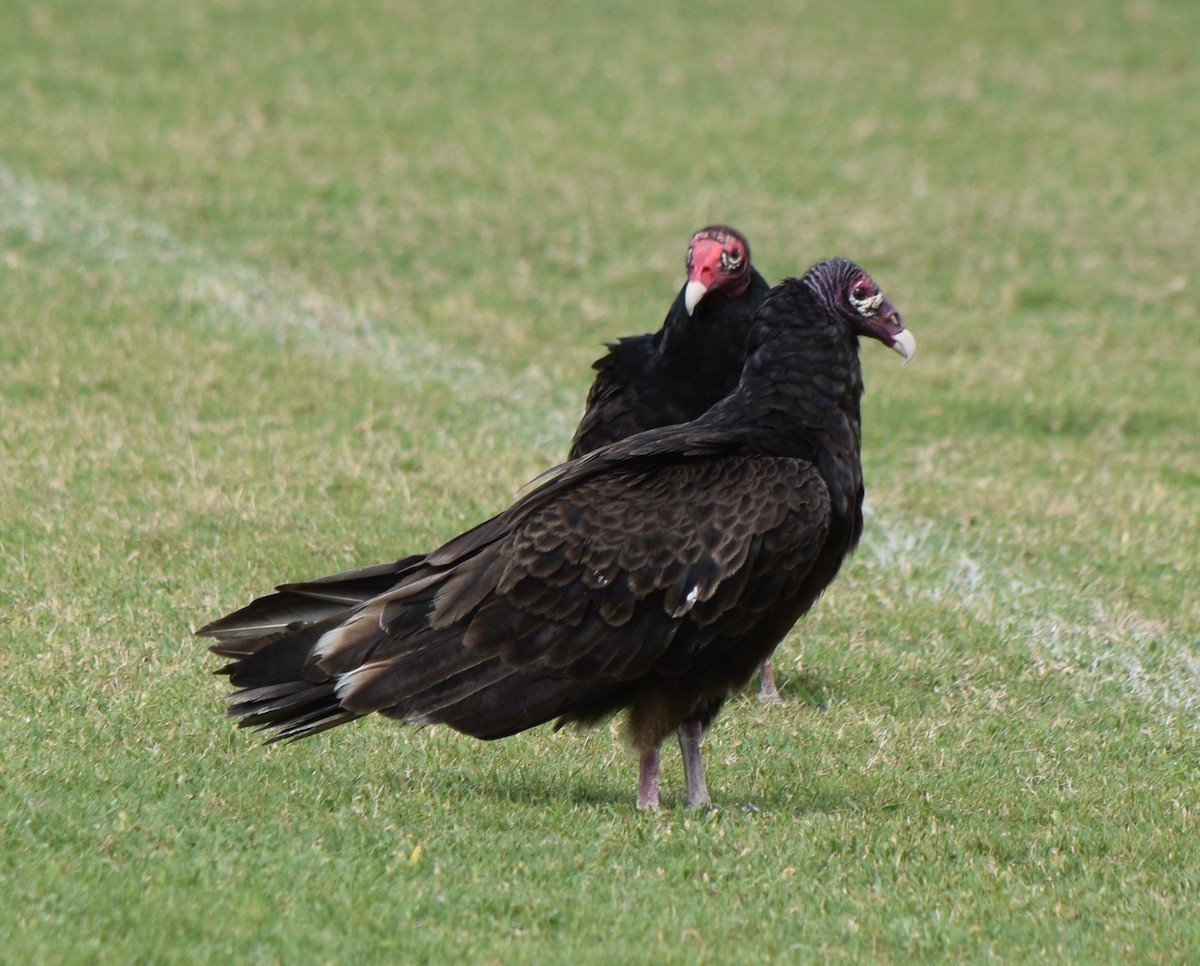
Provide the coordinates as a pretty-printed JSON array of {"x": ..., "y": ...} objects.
[
  {"x": 718, "y": 262},
  {"x": 849, "y": 292}
]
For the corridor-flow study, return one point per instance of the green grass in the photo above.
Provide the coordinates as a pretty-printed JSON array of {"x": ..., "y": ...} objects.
[{"x": 290, "y": 287}]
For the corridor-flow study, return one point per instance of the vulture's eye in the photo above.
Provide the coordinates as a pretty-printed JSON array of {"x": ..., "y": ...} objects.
[
  {"x": 688, "y": 261},
  {"x": 866, "y": 299},
  {"x": 731, "y": 260}
]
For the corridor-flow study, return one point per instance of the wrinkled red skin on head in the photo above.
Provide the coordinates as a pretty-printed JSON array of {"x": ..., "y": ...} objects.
[{"x": 705, "y": 264}]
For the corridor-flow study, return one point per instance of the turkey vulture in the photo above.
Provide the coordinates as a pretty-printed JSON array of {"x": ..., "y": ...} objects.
[
  {"x": 674, "y": 374},
  {"x": 651, "y": 576}
]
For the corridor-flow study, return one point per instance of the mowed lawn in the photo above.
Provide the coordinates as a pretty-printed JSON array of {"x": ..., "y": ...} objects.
[{"x": 289, "y": 287}]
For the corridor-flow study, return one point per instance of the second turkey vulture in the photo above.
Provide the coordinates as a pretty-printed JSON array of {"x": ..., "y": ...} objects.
[
  {"x": 694, "y": 360},
  {"x": 673, "y": 375},
  {"x": 651, "y": 576}
]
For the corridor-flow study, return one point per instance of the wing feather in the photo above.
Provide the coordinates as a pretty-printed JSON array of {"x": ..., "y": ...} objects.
[{"x": 646, "y": 559}]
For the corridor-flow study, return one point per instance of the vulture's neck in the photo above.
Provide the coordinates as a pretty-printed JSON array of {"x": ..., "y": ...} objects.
[{"x": 801, "y": 391}]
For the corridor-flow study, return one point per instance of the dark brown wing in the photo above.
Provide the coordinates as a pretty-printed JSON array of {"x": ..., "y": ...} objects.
[
  {"x": 542, "y": 613},
  {"x": 616, "y": 405}
]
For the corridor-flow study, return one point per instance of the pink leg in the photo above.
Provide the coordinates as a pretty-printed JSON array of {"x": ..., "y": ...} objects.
[
  {"x": 767, "y": 692},
  {"x": 693, "y": 767},
  {"x": 647, "y": 795}
]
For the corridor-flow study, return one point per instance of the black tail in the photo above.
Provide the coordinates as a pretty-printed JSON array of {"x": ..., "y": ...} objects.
[{"x": 271, "y": 639}]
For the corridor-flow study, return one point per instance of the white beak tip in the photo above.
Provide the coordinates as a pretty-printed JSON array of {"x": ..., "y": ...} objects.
[
  {"x": 693, "y": 292},
  {"x": 905, "y": 344}
]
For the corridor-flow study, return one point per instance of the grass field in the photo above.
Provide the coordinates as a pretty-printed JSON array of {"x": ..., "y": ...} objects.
[{"x": 293, "y": 286}]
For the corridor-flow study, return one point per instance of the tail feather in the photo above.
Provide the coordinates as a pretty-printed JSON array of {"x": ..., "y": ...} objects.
[
  {"x": 279, "y": 658},
  {"x": 307, "y": 602},
  {"x": 415, "y": 677},
  {"x": 260, "y": 706},
  {"x": 310, "y": 725},
  {"x": 291, "y": 714}
]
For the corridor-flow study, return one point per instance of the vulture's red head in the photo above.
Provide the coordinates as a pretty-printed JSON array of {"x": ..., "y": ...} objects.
[{"x": 718, "y": 261}]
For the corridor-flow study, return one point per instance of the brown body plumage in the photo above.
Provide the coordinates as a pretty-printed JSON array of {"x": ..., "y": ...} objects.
[{"x": 652, "y": 576}]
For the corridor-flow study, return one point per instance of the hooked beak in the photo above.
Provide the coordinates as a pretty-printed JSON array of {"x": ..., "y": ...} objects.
[
  {"x": 693, "y": 292},
  {"x": 889, "y": 329},
  {"x": 904, "y": 343}
]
